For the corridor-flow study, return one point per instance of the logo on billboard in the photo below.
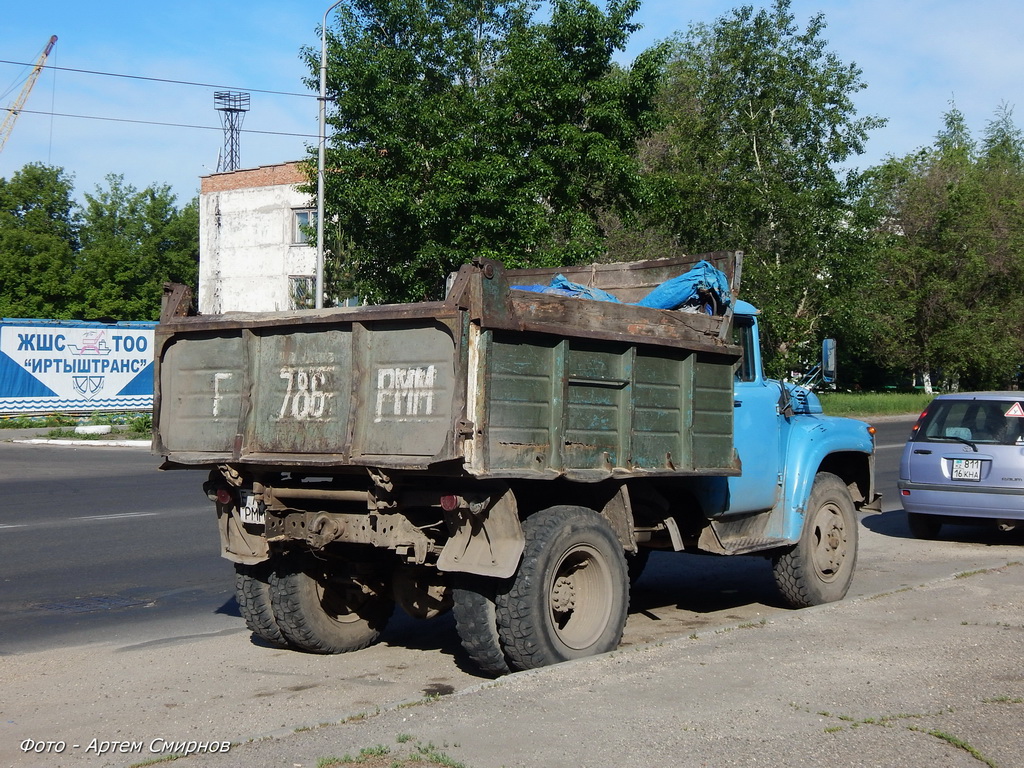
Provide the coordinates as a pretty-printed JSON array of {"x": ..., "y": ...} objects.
[
  {"x": 92, "y": 344},
  {"x": 88, "y": 386}
]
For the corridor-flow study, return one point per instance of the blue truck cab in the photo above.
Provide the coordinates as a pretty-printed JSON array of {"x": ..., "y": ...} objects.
[{"x": 804, "y": 477}]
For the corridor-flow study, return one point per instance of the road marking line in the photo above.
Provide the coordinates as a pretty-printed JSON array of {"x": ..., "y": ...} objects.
[{"x": 117, "y": 516}]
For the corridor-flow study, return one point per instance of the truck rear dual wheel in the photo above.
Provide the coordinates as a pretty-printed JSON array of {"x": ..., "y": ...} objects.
[
  {"x": 476, "y": 622},
  {"x": 326, "y": 612},
  {"x": 252, "y": 591},
  {"x": 819, "y": 568},
  {"x": 570, "y": 597}
]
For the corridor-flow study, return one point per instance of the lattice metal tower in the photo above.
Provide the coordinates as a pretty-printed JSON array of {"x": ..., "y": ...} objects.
[{"x": 232, "y": 106}]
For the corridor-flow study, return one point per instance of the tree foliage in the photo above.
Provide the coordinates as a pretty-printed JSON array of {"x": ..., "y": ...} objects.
[
  {"x": 950, "y": 256},
  {"x": 38, "y": 241},
  {"x": 465, "y": 128},
  {"x": 758, "y": 116},
  {"x": 132, "y": 242},
  {"x": 108, "y": 259}
]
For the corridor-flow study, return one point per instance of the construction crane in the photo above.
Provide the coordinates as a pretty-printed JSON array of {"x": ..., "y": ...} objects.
[{"x": 12, "y": 111}]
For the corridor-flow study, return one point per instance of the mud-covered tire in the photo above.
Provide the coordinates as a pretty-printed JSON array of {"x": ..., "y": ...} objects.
[
  {"x": 476, "y": 622},
  {"x": 322, "y": 612},
  {"x": 924, "y": 526},
  {"x": 819, "y": 568},
  {"x": 570, "y": 596},
  {"x": 252, "y": 591}
]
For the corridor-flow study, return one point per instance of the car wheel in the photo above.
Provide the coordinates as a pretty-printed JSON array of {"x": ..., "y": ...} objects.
[{"x": 923, "y": 526}]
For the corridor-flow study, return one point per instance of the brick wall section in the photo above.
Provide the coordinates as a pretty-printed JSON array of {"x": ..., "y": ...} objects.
[{"x": 264, "y": 176}]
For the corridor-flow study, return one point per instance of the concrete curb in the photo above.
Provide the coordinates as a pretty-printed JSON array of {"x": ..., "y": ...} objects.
[{"x": 78, "y": 443}]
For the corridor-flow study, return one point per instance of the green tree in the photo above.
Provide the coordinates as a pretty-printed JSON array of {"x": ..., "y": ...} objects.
[
  {"x": 38, "y": 241},
  {"x": 758, "y": 119},
  {"x": 131, "y": 243},
  {"x": 464, "y": 128},
  {"x": 950, "y": 264}
]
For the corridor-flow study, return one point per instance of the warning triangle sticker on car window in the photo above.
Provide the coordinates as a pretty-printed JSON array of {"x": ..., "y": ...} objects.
[{"x": 1015, "y": 410}]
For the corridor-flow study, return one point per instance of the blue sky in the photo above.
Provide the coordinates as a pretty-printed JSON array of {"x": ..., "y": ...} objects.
[{"x": 916, "y": 56}]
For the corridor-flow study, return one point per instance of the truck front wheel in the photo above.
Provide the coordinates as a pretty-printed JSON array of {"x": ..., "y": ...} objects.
[
  {"x": 326, "y": 612},
  {"x": 570, "y": 597},
  {"x": 252, "y": 591},
  {"x": 819, "y": 568}
]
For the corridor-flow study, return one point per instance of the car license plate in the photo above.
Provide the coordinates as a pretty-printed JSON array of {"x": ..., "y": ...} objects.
[
  {"x": 966, "y": 469},
  {"x": 252, "y": 510}
]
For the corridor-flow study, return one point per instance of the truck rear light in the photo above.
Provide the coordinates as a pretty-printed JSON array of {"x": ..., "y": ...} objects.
[
  {"x": 224, "y": 496},
  {"x": 449, "y": 503}
]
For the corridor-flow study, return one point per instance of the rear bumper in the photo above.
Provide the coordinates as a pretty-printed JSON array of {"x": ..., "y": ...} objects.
[{"x": 978, "y": 501}]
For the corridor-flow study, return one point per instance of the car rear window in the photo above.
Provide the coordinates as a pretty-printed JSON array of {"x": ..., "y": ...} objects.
[{"x": 978, "y": 421}]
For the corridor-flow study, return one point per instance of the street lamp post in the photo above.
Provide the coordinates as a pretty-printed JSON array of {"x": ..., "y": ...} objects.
[{"x": 321, "y": 151}]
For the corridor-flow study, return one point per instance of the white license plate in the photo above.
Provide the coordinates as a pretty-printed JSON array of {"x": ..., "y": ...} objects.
[
  {"x": 252, "y": 510},
  {"x": 966, "y": 469}
]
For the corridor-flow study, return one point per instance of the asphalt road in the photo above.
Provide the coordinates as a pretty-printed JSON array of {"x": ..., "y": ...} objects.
[
  {"x": 94, "y": 539},
  {"x": 117, "y": 618},
  {"x": 97, "y": 543}
]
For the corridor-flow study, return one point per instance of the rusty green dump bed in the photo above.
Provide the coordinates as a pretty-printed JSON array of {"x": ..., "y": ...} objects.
[{"x": 491, "y": 382}]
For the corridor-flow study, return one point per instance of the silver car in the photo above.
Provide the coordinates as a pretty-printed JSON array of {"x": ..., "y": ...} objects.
[{"x": 964, "y": 462}]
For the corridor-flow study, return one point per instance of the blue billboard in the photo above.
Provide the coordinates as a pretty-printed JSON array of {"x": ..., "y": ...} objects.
[{"x": 67, "y": 365}]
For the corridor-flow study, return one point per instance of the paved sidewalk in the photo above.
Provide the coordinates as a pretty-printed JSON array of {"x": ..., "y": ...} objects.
[{"x": 926, "y": 676}]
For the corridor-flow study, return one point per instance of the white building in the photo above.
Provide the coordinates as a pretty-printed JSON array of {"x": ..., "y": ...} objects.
[{"x": 253, "y": 254}]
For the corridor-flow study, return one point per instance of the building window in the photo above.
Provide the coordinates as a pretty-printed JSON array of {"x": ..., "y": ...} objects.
[
  {"x": 303, "y": 224},
  {"x": 301, "y": 292}
]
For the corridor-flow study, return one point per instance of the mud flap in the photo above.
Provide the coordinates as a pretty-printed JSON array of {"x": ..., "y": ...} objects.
[
  {"x": 236, "y": 543},
  {"x": 487, "y": 543}
]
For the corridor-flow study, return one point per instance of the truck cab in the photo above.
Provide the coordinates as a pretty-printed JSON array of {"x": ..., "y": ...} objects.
[{"x": 803, "y": 475}]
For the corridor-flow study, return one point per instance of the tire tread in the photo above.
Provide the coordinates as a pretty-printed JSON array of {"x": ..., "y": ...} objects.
[
  {"x": 252, "y": 591},
  {"x": 521, "y": 638}
]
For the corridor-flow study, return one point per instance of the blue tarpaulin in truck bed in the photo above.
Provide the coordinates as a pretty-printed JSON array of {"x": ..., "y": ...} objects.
[{"x": 703, "y": 288}]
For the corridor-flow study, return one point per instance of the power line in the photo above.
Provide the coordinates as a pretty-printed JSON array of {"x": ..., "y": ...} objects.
[
  {"x": 163, "y": 80},
  {"x": 166, "y": 125}
]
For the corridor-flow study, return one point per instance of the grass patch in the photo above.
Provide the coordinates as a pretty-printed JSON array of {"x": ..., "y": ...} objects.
[
  {"x": 959, "y": 744},
  {"x": 36, "y": 422},
  {"x": 968, "y": 574},
  {"x": 865, "y": 404},
  {"x": 133, "y": 426},
  {"x": 380, "y": 756}
]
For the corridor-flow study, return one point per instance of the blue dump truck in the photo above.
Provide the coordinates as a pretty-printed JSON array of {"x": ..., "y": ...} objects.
[{"x": 512, "y": 453}]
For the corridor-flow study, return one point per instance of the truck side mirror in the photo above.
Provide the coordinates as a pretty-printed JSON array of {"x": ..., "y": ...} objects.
[{"x": 828, "y": 360}]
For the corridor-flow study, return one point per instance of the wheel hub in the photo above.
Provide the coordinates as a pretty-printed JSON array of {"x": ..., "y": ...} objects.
[
  {"x": 831, "y": 546},
  {"x": 563, "y": 595}
]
